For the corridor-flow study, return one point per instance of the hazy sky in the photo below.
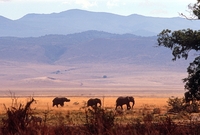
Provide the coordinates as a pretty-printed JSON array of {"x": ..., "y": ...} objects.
[{"x": 15, "y": 9}]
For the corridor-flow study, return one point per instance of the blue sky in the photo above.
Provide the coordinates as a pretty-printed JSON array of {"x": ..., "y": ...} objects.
[{"x": 15, "y": 9}]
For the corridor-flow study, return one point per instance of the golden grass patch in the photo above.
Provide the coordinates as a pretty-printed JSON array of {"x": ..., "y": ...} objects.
[{"x": 45, "y": 103}]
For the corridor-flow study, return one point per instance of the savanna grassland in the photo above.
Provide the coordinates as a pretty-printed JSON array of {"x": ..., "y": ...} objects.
[
  {"x": 76, "y": 103},
  {"x": 150, "y": 115},
  {"x": 150, "y": 87},
  {"x": 74, "y": 112}
]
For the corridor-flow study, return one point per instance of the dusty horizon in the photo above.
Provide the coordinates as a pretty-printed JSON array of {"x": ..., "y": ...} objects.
[
  {"x": 27, "y": 79},
  {"x": 92, "y": 92}
]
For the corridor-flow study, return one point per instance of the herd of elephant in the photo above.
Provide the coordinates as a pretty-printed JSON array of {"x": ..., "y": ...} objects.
[{"x": 96, "y": 102}]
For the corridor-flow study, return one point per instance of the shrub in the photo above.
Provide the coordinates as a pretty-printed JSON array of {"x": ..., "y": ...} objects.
[
  {"x": 176, "y": 104},
  {"x": 193, "y": 107},
  {"x": 156, "y": 111},
  {"x": 148, "y": 118},
  {"x": 17, "y": 119},
  {"x": 104, "y": 76},
  {"x": 99, "y": 121}
]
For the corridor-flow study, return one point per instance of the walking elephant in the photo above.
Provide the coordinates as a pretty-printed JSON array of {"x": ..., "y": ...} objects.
[
  {"x": 93, "y": 102},
  {"x": 60, "y": 101},
  {"x": 125, "y": 101}
]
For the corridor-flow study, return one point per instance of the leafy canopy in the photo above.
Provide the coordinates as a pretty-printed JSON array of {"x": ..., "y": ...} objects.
[
  {"x": 181, "y": 42},
  {"x": 195, "y": 9}
]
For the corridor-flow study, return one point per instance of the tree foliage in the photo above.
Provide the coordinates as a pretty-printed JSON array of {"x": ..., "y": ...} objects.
[
  {"x": 192, "y": 82},
  {"x": 196, "y": 9},
  {"x": 181, "y": 42}
]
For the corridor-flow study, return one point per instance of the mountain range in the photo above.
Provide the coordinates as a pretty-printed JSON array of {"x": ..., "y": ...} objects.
[
  {"x": 76, "y": 21},
  {"x": 88, "y": 60},
  {"x": 88, "y": 52},
  {"x": 85, "y": 47}
]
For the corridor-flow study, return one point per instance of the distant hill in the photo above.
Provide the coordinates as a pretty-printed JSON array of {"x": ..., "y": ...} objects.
[
  {"x": 55, "y": 64},
  {"x": 85, "y": 47},
  {"x": 75, "y": 21}
]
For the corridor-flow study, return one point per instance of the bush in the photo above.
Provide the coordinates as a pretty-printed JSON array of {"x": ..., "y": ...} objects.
[
  {"x": 105, "y": 76},
  {"x": 17, "y": 120},
  {"x": 192, "y": 108},
  {"x": 176, "y": 104},
  {"x": 156, "y": 111},
  {"x": 99, "y": 121}
]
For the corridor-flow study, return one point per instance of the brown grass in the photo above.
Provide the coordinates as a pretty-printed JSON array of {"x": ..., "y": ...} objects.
[
  {"x": 70, "y": 119},
  {"x": 45, "y": 103},
  {"x": 108, "y": 101}
]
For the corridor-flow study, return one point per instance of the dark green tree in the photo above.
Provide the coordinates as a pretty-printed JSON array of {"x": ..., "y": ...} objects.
[{"x": 181, "y": 42}]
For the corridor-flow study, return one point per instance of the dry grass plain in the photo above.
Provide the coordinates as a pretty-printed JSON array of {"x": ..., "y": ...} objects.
[
  {"x": 151, "y": 87},
  {"x": 74, "y": 112},
  {"x": 76, "y": 103}
]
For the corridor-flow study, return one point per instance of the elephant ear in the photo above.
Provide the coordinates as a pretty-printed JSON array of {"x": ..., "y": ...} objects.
[{"x": 128, "y": 97}]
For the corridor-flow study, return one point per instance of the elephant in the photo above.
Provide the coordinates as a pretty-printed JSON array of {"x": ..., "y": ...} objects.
[
  {"x": 125, "y": 101},
  {"x": 60, "y": 101},
  {"x": 93, "y": 102}
]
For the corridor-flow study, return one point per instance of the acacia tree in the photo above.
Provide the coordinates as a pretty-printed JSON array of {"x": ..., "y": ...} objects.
[{"x": 181, "y": 42}]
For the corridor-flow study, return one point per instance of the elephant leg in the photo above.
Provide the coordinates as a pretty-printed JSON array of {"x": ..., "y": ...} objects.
[
  {"x": 128, "y": 106},
  {"x": 121, "y": 107}
]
